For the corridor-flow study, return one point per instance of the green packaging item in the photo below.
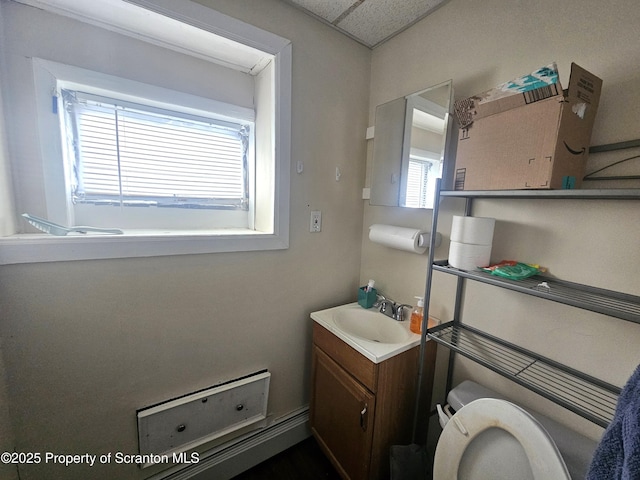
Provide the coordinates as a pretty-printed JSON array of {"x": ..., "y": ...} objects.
[
  {"x": 513, "y": 270},
  {"x": 366, "y": 299}
]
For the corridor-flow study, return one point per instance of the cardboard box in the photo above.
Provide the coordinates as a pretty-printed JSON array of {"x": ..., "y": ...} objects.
[{"x": 527, "y": 133}]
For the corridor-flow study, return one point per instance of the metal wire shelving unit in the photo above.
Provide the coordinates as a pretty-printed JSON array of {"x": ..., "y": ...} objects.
[
  {"x": 587, "y": 396},
  {"x": 580, "y": 393},
  {"x": 607, "y": 302}
]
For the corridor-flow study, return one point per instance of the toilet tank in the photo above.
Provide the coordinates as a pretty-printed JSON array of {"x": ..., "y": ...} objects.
[{"x": 576, "y": 449}]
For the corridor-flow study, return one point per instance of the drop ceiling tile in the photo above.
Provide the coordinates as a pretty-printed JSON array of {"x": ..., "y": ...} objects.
[
  {"x": 375, "y": 20},
  {"x": 329, "y": 10}
]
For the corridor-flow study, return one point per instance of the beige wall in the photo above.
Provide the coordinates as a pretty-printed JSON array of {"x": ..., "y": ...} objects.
[
  {"x": 6, "y": 220},
  {"x": 6, "y": 225},
  {"x": 86, "y": 343},
  {"x": 7, "y": 471},
  {"x": 482, "y": 44}
]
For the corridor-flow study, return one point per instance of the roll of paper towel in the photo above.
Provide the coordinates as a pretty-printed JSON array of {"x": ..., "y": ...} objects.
[
  {"x": 467, "y": 256},
  {"x": 473, "y": 230},
  {"x": 402, "y": 238}
]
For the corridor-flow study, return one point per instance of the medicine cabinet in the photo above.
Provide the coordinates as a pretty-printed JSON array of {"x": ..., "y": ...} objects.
[{"x": 411, "y": 144}]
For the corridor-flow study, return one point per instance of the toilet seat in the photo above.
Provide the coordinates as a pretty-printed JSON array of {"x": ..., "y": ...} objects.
[{"x": 491, "y": 439}]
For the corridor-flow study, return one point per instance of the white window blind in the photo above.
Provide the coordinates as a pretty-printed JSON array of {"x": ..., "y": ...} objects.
[
  {"x": 417, "y": 183},
  {"x": 129, "y": 154}
]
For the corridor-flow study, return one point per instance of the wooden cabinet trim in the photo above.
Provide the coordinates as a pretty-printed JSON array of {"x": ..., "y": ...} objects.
[
  {"x": 392, "y": 386},
  {"x": 337, "y": 420},
  {"x": 348, "y": 357}
]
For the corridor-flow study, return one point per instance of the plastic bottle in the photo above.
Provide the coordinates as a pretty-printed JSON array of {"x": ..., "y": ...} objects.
[{"x": 416, "y": 317}]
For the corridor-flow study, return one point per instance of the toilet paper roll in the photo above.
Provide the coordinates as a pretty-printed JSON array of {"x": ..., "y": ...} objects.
[
  {"x": 467, "y": 256},
  {"x": 473, "y": 230},
  {"x": 402, "y": 238}
]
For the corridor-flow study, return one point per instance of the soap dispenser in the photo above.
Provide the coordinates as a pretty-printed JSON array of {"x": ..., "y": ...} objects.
[{"x": 416, "y": 317}]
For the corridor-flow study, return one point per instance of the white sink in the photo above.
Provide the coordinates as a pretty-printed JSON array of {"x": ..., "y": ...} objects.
[
  {"x": 368, "y": 331},
  {"x": 371, "y": 325}
]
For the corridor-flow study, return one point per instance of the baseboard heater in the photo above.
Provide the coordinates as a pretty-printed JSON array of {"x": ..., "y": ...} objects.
[
  {"x": 240, "y": 454},
  {"x": 181, "y": 424}
]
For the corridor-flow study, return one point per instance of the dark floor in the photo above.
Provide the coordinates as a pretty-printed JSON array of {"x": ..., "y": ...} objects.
[{"x": 302, "y": 461}]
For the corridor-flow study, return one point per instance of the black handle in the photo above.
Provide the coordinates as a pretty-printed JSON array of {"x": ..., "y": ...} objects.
[{"x": 363, "y": 418}]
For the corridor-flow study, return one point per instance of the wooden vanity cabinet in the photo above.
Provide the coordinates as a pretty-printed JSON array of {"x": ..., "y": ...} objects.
[{"x": 358, "y": 408}]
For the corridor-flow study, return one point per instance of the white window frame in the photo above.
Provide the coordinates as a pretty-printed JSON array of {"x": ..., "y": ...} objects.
[
  {"x": 271, "y": 227},
  {"x": 435, "y": 171},
  {"x": 51, "y": 77}
]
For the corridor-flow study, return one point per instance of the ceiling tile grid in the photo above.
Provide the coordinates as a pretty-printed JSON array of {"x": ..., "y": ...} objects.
[
  {"x": 375, "y": 20},
  {"x": 329, "y": 10},
  {"x": 370, "y": 22}
]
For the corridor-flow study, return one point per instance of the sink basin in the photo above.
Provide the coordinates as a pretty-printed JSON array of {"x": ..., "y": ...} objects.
[
  {"x": 369, "y": 332},
  {"x": 371, "y": 325}
]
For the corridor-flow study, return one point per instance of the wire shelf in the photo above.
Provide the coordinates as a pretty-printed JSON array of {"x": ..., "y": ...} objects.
[
  {"x": 582, "y": 194},
  {"x": 582, "y": 394},
  {"x": 607, "y": 302},
  {"x": 576, "y": 391}
]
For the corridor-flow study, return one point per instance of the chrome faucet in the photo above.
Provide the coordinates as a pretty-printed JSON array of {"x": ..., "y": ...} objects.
[
  {"x": 389, "y": 308},
  {"x": 400, "y": 311}
]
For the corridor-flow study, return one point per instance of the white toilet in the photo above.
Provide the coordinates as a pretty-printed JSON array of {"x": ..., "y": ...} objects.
[{"x": 490, "y": 438}]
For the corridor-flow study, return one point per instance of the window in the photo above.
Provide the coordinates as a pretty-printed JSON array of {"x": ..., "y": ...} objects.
[
  {"x": 417, "y": 181},
  {"x": 127, "y": 155},
  {"x": 423, "y": 170},
  {"x": 197, "y": 162}
]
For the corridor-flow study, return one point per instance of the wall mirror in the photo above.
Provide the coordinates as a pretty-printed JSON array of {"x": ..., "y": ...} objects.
[{"x": 411, "y": 142}]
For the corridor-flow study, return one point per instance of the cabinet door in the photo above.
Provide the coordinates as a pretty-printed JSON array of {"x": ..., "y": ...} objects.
[{"x": 342, "y": 412}]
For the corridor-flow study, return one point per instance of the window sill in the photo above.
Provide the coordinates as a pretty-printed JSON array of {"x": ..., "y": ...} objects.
[{"x": 36, "y": 248}]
